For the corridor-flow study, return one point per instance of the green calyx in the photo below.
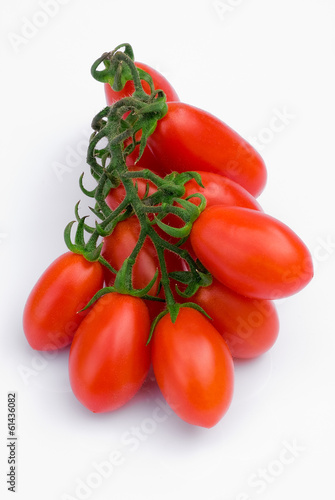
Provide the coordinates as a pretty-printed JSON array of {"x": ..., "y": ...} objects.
[
  {"x": 119, "y": 68},
  {"x": 174, "y": 311},
  {"x": 115, "y": 136}
]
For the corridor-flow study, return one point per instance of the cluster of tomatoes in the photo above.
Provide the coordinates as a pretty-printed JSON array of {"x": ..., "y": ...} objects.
[{"x": 252, "y": 257}]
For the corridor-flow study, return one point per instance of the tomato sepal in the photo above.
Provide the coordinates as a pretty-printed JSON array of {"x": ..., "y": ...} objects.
[
  {"x": 173, "y": 310},
  {"x": 86, "y": 192},
  {"x": 154, "y": 323},
  {"x": 203, "y": 201},
  {"x": 123, "y": 280},
  {"x": 176, "y": 232},
  {"x": 203, "y": 279},
  {"x": 97, "y": 296},
  {"x": 115, "y": 73},
  {"x": 183, "y": 177}
]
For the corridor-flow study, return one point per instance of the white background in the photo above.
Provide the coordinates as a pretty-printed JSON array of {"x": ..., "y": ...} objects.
[{"x": 245, "y": 61}]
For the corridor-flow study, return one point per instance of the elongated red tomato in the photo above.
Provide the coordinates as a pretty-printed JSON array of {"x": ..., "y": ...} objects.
[
  {"x": 119, "y": 245},
  {"x": 109, "y": 359},
  {"x": 219, "y": 190},
  {"x": 50, "y": 317},
  {"x": 188, "y": 138},
  {"x": 251, "y": 252},
  {"x": 193, "y": 367},
  {"x": 159, "y": 81},
  {"x": 249, "y": 326}
]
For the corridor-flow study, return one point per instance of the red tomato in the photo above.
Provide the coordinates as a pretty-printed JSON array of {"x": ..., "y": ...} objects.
[
  {"x": 249, "y": 326},
  {"x": 51, "y": 317},
  {"x": 193, "y": 367},
  {"x": 109, "y": 359},
  {"x": 119, "y": 245},
  {"x": 188, "y": 138},
  {"x": 220, "y": 190},
  {"x": 159, "y": 81},
  {"x": 251, "y": 252}
]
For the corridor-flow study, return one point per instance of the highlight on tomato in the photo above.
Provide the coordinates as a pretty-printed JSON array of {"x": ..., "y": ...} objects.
[
  {"x": 193, "y": 367},
  {"x": 249, "y": 326},
  {"x": 109, "y": 359},
  {"x": 51, "y": 315},
  {"x": 251, "y": 252}
]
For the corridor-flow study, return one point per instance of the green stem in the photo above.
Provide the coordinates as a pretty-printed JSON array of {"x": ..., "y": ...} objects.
[
  {"x": 165, "y": 280},
  {"x": 136, "y": 78},
  {"x": 108, "y": 168}
]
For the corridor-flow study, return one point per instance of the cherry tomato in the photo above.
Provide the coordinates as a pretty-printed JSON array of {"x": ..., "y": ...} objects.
[
  {"x": 188, "y": 138},
  {"x": 109, "y": 359},
  {"x": 51, "y": 317},
  {"x": 159, "y": 81},
  {"x": 251, "y": 252},
  {"x": 220, "y": 190},
  {"x": 249, "y": 326},
  {"x": 119, "y": 245},
  {"x": 193, "y": 367}
]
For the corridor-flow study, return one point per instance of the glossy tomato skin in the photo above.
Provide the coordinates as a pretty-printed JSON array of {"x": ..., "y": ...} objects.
[
  {"x": 251, "y": 252},
  {"x": 219, "y": 190},
  {"x": 50, "y": 316},
  {"x": 119, "y": 245},
  {"x": 109, "y": 359},
  {"x": 193, "y": 367},
  {"x": 188, "y": 138},
  {"x": 249, "y": 326},
  {"x": 159, "y": 81}
]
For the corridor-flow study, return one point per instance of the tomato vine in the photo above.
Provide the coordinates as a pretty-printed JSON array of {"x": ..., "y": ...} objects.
[
  {"x": 118, "y": 131},
  {"x": 141, "y": 225}
]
